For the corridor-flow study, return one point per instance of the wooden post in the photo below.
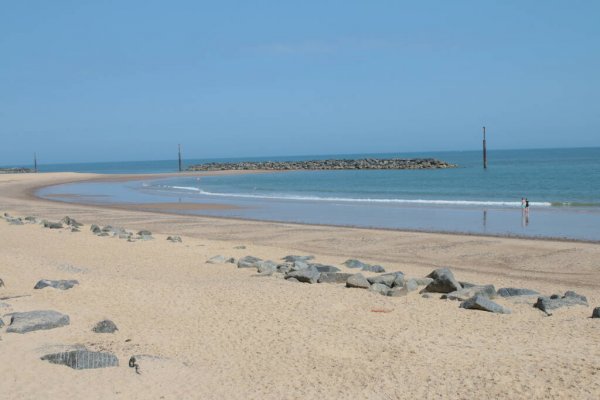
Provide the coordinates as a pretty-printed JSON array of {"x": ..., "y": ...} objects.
[
  {"x": 484, "y": 151},
  {"x": 180, "y": 166},
  {"x": 35, "y": 162}
]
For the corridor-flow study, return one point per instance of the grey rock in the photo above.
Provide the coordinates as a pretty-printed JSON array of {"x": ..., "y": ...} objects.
[
  {"x": 266, "y": 267},
  {"x": 463, "y": 294},
  {"x": 553, "y": 302},
  {"x": 292, "y": 280},
  {"x": 307, "y": 275},
  {"x": 400, "y": 280},
  {"x": 216, "y": 260},
  {"x": 467, "y": 284},
  {"x": 75, "y": 230},
  {"x": 297, "y": 258},
  {"x": 83, "y": 359},
  {"x": 103, "y": 234},
  {"x": 31, "y": 219},
  {"x": 29, "y": 321},
  {"x": 358, "y": 281},
  {"x": 596, "y": 312},
  {"x": 285, "y": 268},
  {"x": 298, "y": 265},
  {"x": 146, "y": 237},
  {"x": 423, "y": 281},
  {"x": 352, "y": 263},
  {"x": 398, "y": 292},
  {"x": 334, "y": 277},
  {"x": 480, "y": 302},
  {"x": 52, "y": 225},
  {"x": 105, "y": 326},
  {"x": 15, "y": 221},
  {"x": 379, "y": 288},
  {"x": 248, "y": 262},
  {"x": 71, "y": 222},
  {"x": 386, "y": 279},
  {"x": 174, "y": 239},
  {"x": 324, "y": 268},
  {"x": 1, "y": 283},
  {"x": 443, "y": 281},
  {"x": 58, "y": 284},
  {"x": 411, "y": 285},
  {"x": 511, "y": 292},
  {"x": 426, "y": 296},
  {"x": 373, "y": 268},
  {"x": 144, "y": 232},
  {"x": 95, "y": 229}
]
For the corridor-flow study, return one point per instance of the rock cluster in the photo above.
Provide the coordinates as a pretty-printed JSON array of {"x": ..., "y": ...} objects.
[
  {"x": 364, "y": 163},
  {"x": 16, "y": 170}
]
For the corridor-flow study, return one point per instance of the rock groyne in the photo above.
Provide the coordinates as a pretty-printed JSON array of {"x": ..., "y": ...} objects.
[
  {"x": 342, "y": 164},
  {"x": 16, "y": 170}
]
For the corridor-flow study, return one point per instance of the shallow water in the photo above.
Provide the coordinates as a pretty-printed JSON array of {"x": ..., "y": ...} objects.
[{"x": 563, "y": 186}]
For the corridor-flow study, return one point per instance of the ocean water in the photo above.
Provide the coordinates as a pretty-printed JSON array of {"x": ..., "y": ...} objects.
[{"x": 562, "y": 185}]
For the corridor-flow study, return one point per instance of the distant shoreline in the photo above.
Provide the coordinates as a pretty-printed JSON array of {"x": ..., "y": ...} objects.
[{"x": 182, "y": 209}]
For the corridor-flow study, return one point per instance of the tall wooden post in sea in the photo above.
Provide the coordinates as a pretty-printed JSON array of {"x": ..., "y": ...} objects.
[
  {"x": 35, "y": 162},
  {"x": 180, "y": 165},
  {"x": 484, "y": 151}
]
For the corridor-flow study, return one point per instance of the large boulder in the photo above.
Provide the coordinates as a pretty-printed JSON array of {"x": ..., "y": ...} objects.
[
  {"x": 306, "y": 275},
  {"x": 463, "y": 294},
  {"x": 248, "y": 262},
  {"x": 58, "y": 284},
  {"x": 547, "y": 304},
  {"x": 512, "y": 292},
  {"x": 443, "y": 281},
  {"x": 29, "y": 321},
  {"x": 83, "y": 359},
  {"x": 334, "y": 277},
  {"x": 358, "y": 281},
  {"x": 480, "y": 302},
  {"x": 105, "y": 326}
]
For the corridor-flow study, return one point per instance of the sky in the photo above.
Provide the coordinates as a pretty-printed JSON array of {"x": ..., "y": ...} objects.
[{"x": 129, "y": 80}]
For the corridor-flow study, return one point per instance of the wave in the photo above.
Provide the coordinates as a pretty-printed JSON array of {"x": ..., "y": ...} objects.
[{"x": 512, "y": 204}]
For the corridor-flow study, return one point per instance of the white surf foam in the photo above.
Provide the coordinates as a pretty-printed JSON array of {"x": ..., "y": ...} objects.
[{"x": 513, "y": 204}]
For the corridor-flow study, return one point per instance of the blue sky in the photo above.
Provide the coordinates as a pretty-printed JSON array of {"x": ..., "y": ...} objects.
[{"x": 129, "y": 80}]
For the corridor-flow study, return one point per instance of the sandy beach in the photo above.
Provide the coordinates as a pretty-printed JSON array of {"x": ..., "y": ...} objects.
[{"x": 215, "y": 331}]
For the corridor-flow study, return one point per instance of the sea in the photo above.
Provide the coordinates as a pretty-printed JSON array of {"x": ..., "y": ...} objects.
[{"x": 561, "y": 185}]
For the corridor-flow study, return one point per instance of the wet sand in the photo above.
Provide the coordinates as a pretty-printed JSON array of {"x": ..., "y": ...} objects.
[{"x": 216, "y": 331}]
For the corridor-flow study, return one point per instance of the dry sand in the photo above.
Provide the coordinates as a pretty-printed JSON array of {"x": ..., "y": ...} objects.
[{"x": 219, "y": 332}]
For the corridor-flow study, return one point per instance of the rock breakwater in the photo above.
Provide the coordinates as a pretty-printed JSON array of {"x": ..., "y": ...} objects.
[{"x": 363, "y": 163}]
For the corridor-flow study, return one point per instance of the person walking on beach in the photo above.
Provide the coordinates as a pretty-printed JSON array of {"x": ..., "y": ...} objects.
[{"x": 526, "y": 207}]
